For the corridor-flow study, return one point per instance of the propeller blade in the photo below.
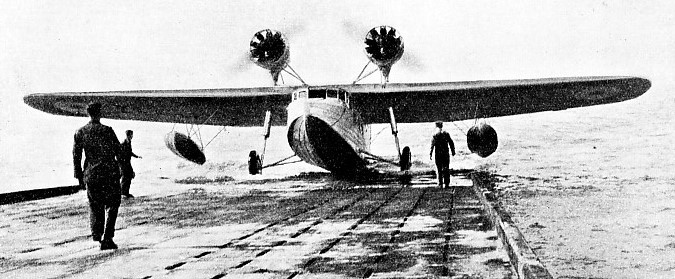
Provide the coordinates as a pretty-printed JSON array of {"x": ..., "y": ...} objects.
[
  {"x": 372, "y": 34},
  {"x": 391, "y": 33},
  {"x": 259, "y": 36}
]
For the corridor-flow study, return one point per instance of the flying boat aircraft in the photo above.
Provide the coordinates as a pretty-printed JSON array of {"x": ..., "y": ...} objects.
[{"x": 329, "y": 125}]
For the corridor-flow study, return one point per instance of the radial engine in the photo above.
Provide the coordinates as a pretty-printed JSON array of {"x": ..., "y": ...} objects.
[
  {"x": 384, "y": 46},
  {"x": 269, "y": 50}
]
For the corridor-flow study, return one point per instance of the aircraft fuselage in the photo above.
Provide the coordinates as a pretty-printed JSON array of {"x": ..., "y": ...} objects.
[{"x": 324, "y": 131}]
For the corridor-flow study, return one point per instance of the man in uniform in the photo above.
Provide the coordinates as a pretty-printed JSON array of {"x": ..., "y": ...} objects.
[
  {"x": 440, "y": 142},
  {"x": 125, "y": 164},
  {"x": 101, "y": 175}
]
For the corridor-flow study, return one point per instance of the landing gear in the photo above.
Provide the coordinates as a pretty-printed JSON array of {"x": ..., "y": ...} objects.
[
  {"x": 254, "y": 163},
  {"x": 406, "y": 159}
]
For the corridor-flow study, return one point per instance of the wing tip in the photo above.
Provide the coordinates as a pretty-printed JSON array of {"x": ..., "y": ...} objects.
[
  {"x": 638, "y": 86},
  {"x": 32, "y": 100},
  {"x": 46, "y": 102},
  {"x": 645, "y": 84}
]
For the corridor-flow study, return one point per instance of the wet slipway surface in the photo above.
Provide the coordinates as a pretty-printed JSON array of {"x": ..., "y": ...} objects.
[{"x": 287, "y": 228}]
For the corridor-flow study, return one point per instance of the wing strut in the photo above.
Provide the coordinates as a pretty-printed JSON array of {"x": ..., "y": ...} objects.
[
  {"x": 405, "y": 157},
  {"x": 362, "y": 76},
  {"x": 266, "y": 128},
  {"x": 378, "y": 158},
  {"x": 282, "y": 162},
  {"x": 255, "y": 161},
  {"x": 394, "y": 131},
  {"x": 294, "y": 74}
]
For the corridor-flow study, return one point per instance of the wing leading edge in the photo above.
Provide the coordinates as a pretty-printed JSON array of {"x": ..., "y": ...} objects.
[{"x": 453, "y": 101}]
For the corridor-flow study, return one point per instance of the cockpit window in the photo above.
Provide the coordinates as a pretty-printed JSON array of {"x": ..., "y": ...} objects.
[
  {"x": 317, "y": 94},
  {"x": 328, "y": 93},
  {"x": 300, "y": 94}
]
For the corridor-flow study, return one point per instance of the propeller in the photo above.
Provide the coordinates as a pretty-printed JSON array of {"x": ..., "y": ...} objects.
[
  {"x": 268, "y": 48},
  {"x": 243, "y": 59},
  {"x": 411, "y": 60},
  {"x": 383, "y": 45}
]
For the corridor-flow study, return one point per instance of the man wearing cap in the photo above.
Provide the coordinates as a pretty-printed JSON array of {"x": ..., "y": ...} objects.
[
  {"x": 101, "y": 175},
  {"x": 125, "y": 164},
  {"x": 440, "y": 142}
]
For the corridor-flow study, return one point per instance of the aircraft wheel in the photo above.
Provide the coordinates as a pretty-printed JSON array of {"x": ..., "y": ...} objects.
[
  {"x": 406, "y": 158},
  {"x": 254, "y": 164}
]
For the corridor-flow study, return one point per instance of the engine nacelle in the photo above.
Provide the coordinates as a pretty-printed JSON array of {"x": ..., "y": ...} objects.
[
  {"x": 384, "y": 46},
  {"x": 482, "y": 140},
  {"x": 270, "y": 51}
]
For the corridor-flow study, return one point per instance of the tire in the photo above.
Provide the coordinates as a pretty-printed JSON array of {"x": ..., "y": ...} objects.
[
  {"x": 254, "y": 166},
  {"x": 406, "y": 158}
]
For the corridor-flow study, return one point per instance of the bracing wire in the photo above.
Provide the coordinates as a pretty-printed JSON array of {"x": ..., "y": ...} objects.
[
  {"x": 195, "y": 130},
  {"x": 458, "y": 128},
  {"x": 214, "y": 137},
  {"x": 290, "y": 74},
  {"x": 199, "y": 130},
  {"x": 296, "y": 74},
  {"x": 358, "y": 78},
  {"x": 376, "y": 135},
  {"x": 191, "y": 131},
  {"x": 454, "y": 122},
  {"x": 199, "y": 136},
  {"x": 465, "y": 125},
  {"x": 365, "y": 76}
]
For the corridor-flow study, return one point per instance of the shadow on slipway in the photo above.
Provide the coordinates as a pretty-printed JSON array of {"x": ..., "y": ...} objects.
[{"x": 364, "y": 179}]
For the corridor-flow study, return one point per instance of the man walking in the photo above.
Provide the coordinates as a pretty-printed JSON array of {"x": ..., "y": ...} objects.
[
  {"x": 101, "y": 175},
  {"x": 125, "y": 164},
  {"x": 440, "y": 142}
]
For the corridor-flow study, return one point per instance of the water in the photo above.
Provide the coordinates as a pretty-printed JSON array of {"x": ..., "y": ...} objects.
[{"x": 593, "y": 189}]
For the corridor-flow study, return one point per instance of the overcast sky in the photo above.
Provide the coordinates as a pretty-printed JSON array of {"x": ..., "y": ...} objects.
[{"x": 48, "y": 46}]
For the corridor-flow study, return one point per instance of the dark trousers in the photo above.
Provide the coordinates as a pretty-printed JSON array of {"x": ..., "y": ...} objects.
[
  {"x": 104, "y": 202},
  {"x": 127, "y": 175},
  {"x": 443, "y": 169}
]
